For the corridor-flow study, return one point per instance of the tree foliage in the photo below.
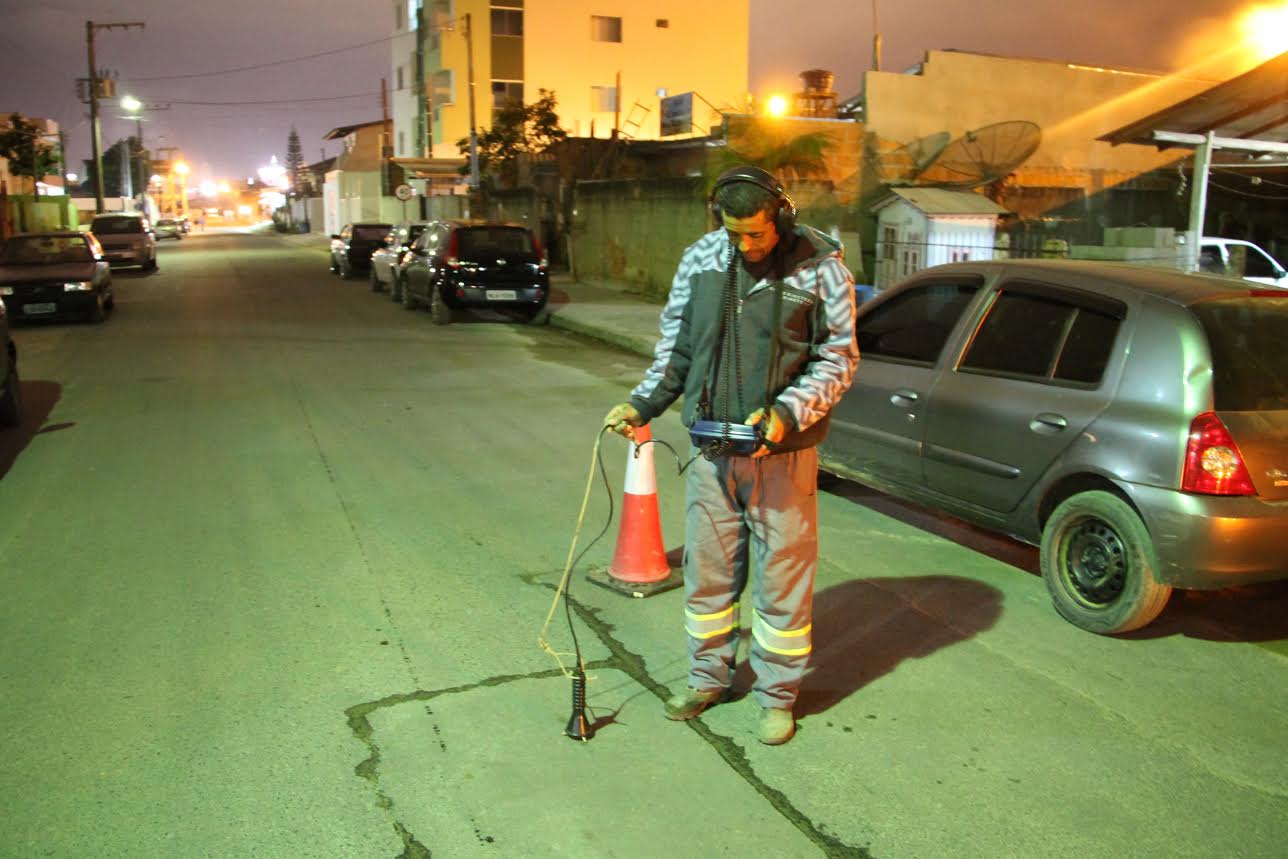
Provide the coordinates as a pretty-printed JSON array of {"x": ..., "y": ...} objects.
[
  {"x": 790, "y": 158},
  {"x": 113, "y": 178},
  {"x": 24, "y": 145},
  {"x": 518, "y": 129}
]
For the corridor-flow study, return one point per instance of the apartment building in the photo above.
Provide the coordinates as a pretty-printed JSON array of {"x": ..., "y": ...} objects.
[{"x": 609, "y": 63}]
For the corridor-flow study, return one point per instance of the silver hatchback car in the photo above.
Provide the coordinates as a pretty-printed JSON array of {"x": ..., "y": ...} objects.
[{"x": 1130, "y": 421}]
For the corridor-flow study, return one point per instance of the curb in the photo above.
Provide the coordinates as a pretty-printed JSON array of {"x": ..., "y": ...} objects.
[{"x": 631, "y": 343}]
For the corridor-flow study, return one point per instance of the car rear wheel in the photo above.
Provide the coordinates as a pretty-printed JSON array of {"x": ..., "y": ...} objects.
[
  {"x": 346, "y": 269},
  {"x": 1099, "y": 564},
  {"x": 539, "y": 316},
  {"x": 409, "y": 301},
  {"x": 151, "y": 264},
  {"x": 11, "y": 402},
  {"x": 438, "y": 309},
  {"x": 396, "y": 288}
]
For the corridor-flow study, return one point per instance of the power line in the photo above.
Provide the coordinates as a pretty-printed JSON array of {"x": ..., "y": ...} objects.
[
  {"x": 274, "y": 101},
  {"x": 270, "y": 64}
]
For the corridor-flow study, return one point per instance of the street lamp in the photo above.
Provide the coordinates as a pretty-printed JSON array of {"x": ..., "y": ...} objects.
[{"x": 134, "y": 110}]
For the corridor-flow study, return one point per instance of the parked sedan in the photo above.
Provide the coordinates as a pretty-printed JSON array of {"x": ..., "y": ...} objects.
[
  {"x": 385, "y": 261},
  {"x": 457, "y": 265},
  {"x": 10, "y": 387},
  {"x": 1132, "y": 422},
  {"x": 352, "y": 247},
  {"x": 60, "y": 274}
]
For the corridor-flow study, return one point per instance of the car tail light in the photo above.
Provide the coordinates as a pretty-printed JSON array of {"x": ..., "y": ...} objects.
[
  {"x": 452, "y": 256},
  {"x": 1213, "y": 464},
  {"x": 543, "y": 260}
]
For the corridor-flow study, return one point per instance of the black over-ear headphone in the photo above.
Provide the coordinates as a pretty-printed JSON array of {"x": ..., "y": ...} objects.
[{"x": 784, "y": 216}]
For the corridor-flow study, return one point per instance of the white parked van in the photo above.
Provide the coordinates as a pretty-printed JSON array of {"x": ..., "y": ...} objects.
[{"x": 1235, "y": 258}]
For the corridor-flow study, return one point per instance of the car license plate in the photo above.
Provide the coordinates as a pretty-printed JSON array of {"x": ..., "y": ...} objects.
[
  {"x": 45, "y": 307},
  {"x": 502, "y": 295}
]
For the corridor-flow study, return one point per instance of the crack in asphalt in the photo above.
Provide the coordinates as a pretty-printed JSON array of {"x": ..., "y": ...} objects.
[{"x": 622, "y": 659}]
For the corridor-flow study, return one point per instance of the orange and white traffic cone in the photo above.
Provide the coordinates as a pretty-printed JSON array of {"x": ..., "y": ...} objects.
[{"x": 639, "y": 566}]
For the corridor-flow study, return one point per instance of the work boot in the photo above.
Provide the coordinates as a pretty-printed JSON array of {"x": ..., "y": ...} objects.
[
  {"x": 690, "y": 703},
  {"x": 777, "y": 726}
]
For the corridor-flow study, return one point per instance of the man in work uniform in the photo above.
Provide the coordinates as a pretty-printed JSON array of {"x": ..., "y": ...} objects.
[{"x": 758, "y": 329}]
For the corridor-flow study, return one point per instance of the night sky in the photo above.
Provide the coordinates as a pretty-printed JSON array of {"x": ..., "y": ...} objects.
[{"x": 190, "y": 52}]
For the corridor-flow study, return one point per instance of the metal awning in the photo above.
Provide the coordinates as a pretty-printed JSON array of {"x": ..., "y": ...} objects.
[
  {"x": 1251, "y": 108},
  {"x": 1247, "y": 114},
  {"x": 432, "y": 168}
]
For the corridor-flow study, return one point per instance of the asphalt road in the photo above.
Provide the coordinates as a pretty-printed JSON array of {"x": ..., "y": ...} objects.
[{"x": 276, "y": 553}]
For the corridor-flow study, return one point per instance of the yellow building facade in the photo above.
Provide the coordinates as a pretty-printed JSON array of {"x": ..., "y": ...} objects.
[{"x": 609, "y": 63}]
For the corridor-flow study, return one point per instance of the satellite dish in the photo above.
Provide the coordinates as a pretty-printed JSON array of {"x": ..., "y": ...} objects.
[
  {"x": 982, "y": 156},
  {"x": 899, "y": 164}
]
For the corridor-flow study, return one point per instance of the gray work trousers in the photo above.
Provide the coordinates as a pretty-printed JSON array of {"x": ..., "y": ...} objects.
[{"x": 751, "y": 521}]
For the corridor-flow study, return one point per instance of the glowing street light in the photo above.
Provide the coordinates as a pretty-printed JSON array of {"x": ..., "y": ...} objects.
[
  {"x": 776, "y": 106},
  {"x": 1265, "y": 29},
  {"x": 131, "y": 105}
]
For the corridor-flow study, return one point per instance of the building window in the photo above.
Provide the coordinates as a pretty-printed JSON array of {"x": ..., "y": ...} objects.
[
  {"x": 503, "y": 91},
  {"x": 412, "y": 6},
  {"x": 401, "y": 148},
  {"x": 444, "y": 87},
  {"x": 507, "y": 22},
  {"x": 398, "y": 16},
  {"x": 603, "y": 99},
  {"x": 663, "y": 23},
  {"x": 398, "y": 78},
  {"x": 605, "y": 29}
]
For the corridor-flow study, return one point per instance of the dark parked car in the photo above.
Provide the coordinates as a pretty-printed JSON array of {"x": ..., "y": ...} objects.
[
  {"x": 10, "y": 388},
  {"x": 126, "y": 240},
  {"x": 48, "y": 275},
  {"x": 385, "y": 261},
  {"x": 459, "y": 264},
  {"x": 352, "y": 247},
  {"x": 1132, "y": 422}
]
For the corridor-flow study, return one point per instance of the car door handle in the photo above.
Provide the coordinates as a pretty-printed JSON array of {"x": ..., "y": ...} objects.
[
  {"x": 903, "y": 397},
  {"x": 1048, "y": 423}
]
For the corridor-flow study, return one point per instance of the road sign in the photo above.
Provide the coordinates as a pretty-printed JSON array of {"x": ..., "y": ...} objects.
[{"x": 404, "y": 192}]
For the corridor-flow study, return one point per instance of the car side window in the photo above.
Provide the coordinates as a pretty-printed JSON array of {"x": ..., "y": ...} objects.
[
  {"x": 1045, "y": 337},
  {"x": 1210, "y": 260},
  {"x": 915, "y": 325},
  {"x": 1259, "y": 265}
]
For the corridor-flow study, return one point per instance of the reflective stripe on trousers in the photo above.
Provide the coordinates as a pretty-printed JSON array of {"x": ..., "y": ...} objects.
[{"x": 757, "y": 516}]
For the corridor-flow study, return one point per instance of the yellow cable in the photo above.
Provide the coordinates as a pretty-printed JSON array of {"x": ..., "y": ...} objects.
[{"x": 572, "y": 549}]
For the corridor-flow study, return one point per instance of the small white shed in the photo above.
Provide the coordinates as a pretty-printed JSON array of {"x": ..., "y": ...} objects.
[{"x": 921, "y": 227}]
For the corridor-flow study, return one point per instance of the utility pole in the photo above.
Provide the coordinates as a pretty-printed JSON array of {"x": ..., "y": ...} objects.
[
  {"x": 474, "y": 136},
  {"x": 876, "y": 39},
  {"x": 96, "y": 139},
  {"x": 386, "y": 145},
  {"x": 62, "y": 160},
  {"x": 425, "y": 143}
]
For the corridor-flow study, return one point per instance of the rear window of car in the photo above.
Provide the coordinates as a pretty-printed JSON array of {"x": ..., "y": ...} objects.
[
  {"x": 494, "y": 240},
  {"x": 37, "y": 250},
  {"x": 914, "y": 326},
  {"x": 371, "y": 232},
  {"x": 1248, "y": 337},
  {"x": 109, "y": 226}
]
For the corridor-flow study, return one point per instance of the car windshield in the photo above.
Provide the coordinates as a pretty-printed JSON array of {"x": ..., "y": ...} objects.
[
  {"x": 1249, "y": 362},
  {"x": 370, "y": 232},
  {"x": 494, "y": 240},
  {"x": 108, "y": 226},
  {"x": 45, "y": 250}
]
